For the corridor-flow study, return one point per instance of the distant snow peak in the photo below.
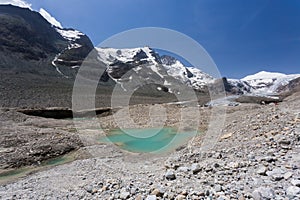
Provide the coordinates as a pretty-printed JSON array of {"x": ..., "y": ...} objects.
[
  {"x": 263, "y": 83},
  {"x": 264, "y": 75},
  {"x": 49, "y": 18},
  {"x": 19, "y": 3}
]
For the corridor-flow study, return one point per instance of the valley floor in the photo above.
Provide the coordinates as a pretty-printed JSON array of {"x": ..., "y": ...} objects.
[{"x": 256, "y": 156}]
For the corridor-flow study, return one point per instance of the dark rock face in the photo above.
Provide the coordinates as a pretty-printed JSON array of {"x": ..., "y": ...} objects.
[
  {"x": 168, "y": 60},
  {"x": 75, "y": 56},
  {"x": 238, "y": 89},
  {"x": 156, "y": 56},
  {"x": 140, "y": 55},
  {"x": 118, "y": 69},
  {"x": 228, "y": 87},
  {"x": 27, "y": 40},
  {"x": 189, "y": 73},
  {"x": 293, "y": 86},
  {"x": 26, "y": 35},
  {"x": 28, "y": 45}
]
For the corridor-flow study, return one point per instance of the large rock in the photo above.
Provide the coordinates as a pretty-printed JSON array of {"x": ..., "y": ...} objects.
[
  {"x": 263, "y": 192},
  {"x": 170, "y": 175},
  {"x": 292, "y": 191}
]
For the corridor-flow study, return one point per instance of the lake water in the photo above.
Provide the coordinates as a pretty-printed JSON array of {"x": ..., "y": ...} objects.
[
  {"x": 148, "y": 139},
  {"x": 13, "y": 174}
]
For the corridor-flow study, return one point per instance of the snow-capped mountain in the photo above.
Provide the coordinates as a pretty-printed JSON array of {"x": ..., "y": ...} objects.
[
  {"x": 79, "y": 46},
  {"x": 125, "y": 65},
  {"x": 61, "y": 52},
  {"x": 134, "y": 67},
  {"x": 188, "y": 75},
  {"x": 145, "y": 64},
  {"x": 268, "y": 82},
  {"x": 31, "y": 39},
  {"x": 110, "y": 55},
  {"x": 263, "y": 83}
]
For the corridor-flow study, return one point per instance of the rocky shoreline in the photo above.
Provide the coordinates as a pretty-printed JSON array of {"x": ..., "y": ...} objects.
[
  {"x": 256, "y": 157},
  {"x": 27, "y": 140}
]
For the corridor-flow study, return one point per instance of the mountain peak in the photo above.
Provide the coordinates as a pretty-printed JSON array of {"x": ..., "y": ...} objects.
[
  {"x": 264, "y": 83},
  {"x": 263, "y": 75},
  {"x": 128, "y": 54}
]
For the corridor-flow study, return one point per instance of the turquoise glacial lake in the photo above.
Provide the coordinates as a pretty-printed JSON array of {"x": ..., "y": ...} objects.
[
  {"x": 148, "y": 139},
  {"x": 13, "y": 174}
]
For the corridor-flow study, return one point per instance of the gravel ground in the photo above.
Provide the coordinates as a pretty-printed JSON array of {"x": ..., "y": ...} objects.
[{"x": 257, "y": 156}]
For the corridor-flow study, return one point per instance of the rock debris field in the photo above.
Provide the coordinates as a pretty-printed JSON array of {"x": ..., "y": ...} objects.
[{"x": 257, "y": 156}]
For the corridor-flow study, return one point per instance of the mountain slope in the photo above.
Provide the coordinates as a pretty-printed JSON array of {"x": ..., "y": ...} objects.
[
  {"x": 145, "y": 64},
  {"x": 39, "y": 56},
  {"x": 72, "y": 56},
  {"x": 263, "y": 83},
  {"x": 39, "y": 63},
  {"x": 26, "y": 35},
  {"x": 30, "y": 43},
  {"x": 189, "y": 75},
  {"x": 269, "y": 82},
  {"x": 291, "y": 87},
  {"x": 132, "y": 68},
  {"x": 28, "y": 46}
]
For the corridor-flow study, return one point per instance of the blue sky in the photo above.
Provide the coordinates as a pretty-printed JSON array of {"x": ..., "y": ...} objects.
[{"x": 242, "y": 37}]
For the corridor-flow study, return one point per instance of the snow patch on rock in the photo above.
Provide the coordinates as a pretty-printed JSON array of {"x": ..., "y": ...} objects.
[
  {"x": 49, "y": 18},
  {"x": 69, "y": 34}
]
